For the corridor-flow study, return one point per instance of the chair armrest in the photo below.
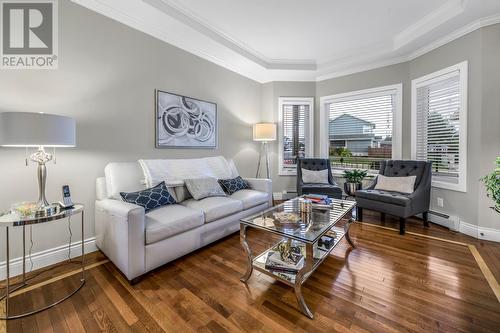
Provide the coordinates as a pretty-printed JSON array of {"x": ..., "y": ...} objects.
[
  {"x": 263, "y": 185},
  {"x": 120, "y": 234},
  {"x": 119, "y": 208}
]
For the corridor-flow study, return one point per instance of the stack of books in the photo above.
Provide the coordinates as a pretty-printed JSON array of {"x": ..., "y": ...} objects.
[
  {"x": 293, "y": 264},
  {"x": 318, "y": 199}
]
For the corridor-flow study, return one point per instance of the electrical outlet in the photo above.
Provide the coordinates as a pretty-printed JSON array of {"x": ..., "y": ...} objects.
[{"x": 440, "y": 202}]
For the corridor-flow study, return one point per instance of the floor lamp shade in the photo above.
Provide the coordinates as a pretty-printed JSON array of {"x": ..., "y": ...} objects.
[
  {"x": 29, "y": 129},
  {"x": 264, "y": 132}
]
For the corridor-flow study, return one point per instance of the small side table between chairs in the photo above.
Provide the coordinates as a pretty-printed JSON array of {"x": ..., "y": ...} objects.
[{"x": 13, "y": 220}]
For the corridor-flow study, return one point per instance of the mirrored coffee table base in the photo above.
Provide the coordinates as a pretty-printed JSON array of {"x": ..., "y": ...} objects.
[{"x": 313, "y": 256}]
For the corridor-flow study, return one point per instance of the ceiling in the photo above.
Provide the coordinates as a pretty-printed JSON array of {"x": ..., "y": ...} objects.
[{"x": 302, "y": 40}]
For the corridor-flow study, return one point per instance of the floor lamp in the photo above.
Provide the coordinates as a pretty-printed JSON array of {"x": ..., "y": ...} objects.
[{"x": 264, "y": 132}]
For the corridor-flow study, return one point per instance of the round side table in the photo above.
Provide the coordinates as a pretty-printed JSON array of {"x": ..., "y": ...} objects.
[{"x": 14, "y": 220}]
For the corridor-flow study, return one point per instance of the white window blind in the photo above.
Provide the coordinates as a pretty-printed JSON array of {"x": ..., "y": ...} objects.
[
  {"x": 439, "y": 129},
  {"x": 360, "y": 130},
  {"x": 296, "y": 134}
]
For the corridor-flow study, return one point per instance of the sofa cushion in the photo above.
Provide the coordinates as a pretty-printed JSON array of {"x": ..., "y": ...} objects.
[
  {"x": 395, "y": 198},
  {"x": 215, "y": 208},
  {"x": 250, "y": 198},
  {"x": 123, "y": 177},
  {"x": 171, "y": 220}
]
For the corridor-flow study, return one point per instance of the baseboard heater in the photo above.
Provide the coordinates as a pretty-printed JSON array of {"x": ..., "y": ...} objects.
[{"x": 448, "y": 221}]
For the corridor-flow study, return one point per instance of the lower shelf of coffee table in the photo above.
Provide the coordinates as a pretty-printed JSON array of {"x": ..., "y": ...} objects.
[{"x": 259, "y": 262}]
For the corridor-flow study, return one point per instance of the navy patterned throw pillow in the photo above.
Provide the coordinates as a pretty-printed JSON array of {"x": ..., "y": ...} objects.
[
  {"x": 150, "y": 198},
  {"x": 232, "y": 185}
]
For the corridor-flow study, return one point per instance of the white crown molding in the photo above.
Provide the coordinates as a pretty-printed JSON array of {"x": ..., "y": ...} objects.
[
  {"x": 176, "y": 10},
  {"x": 226, "y": 52},
  {"x": 473, "y": 26},
  {"x": 446, "y": 12},
  {"x": 365, "y": 66}
]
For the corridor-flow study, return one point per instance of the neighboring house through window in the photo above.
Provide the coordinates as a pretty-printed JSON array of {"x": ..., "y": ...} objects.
[
  {"x": 361, "y": 128},
  {"x": 439, "y": 125},
  {"x": 295, "y": 132}
]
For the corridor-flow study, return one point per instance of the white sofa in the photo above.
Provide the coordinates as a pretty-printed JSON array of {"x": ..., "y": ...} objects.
[{"x": 137, "y": 242}]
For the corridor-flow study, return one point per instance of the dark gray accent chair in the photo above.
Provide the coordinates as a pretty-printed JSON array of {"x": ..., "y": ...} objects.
[
  {"x": 316, "y": 164},
  {"x": 399, "y": 204}
]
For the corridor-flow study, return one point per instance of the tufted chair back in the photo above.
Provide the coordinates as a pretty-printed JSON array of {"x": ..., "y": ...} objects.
[
  {"x": 315, "y": 164},
  {"x": 404, "y": 168}
]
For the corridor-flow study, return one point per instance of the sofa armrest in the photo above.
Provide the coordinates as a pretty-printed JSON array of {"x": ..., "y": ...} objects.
[
  {"x": 263, "y": 185},
  {"x": 120, "y": 234}
]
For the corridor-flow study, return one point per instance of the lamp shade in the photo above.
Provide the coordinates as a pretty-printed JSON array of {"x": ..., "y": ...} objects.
[
  {"x": 29, "y": 129},
  {"x": 264, "y": 132}
]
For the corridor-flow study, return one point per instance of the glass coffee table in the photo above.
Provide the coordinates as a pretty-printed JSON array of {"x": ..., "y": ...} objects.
[{"x": 313, "y": 233}]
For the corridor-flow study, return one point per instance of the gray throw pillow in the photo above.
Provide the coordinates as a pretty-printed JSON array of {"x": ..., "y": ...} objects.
[
  {"x": 204, "y": 187},
  {"x": 396, "y": 184},
  {"x": 315, "y": 176}
]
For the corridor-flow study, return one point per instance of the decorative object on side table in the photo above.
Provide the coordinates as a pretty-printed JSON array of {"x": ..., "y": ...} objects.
[
  {"x": 492, "y": 184},
  {"x": 185, "y": 122},
  {"x": 353, "y": 181},
  {"x": 41, "y": 130},
  {"x": 264, "y": 132}
]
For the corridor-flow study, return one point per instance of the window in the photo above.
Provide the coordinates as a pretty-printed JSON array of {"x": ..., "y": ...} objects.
[
  {"x": 296, "y": 132},
  {"x": 439, "y": 125},
  {"x": 361, "y": 128}
]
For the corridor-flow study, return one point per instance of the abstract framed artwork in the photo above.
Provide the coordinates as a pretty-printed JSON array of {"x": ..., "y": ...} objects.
[{"x": 184, "y": 122}]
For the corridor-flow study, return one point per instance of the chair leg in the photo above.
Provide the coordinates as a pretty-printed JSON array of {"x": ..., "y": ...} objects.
[
  {"x": 382, "y": 217},
  {"x": 425, "y": 215},
  {"x": 402, "y": 225},
  {"x": 359, "y": 214}
]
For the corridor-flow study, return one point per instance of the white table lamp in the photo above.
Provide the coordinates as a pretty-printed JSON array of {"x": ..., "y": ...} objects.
[
  {"x": 264, "y": 132},
  {"x": 41, "y": 130}
]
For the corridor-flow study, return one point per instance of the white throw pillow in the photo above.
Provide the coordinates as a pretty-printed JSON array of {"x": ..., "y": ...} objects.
[
  {"x": 396, "y": 184},
  {"x": 315, "y": 176}
]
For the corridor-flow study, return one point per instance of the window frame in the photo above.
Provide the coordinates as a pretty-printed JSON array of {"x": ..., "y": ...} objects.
[
  {"x": 437, "y": 76},
  {"x": 309, "y": 101},
  {"x": 397, "y": 117}
]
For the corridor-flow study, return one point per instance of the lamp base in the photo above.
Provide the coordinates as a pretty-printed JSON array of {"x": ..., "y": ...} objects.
[{"x": 47, "y": 210}]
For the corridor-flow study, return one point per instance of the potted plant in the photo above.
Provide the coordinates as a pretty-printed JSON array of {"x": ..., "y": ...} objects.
[
  {"x": 353, "y": 179},
  {"x": 492, "y": 183}
]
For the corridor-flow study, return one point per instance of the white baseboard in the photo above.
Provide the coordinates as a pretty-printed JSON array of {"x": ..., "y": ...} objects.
[
  {"x": 47, "y": 257},
  {"x": 475, "y": 231}
]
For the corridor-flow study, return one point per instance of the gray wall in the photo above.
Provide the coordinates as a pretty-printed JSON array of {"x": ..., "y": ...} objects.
[
  {"x": 490, "y": 119},
  {"x": 106, "y": 80},
  {"x": 270, "y": 93},
  {"x": 481, "y": 48}
]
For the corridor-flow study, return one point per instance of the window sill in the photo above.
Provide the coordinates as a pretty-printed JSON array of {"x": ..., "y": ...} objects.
[
  {"x": 449, "y": 186},
  {"x": 287, "y": 173}
]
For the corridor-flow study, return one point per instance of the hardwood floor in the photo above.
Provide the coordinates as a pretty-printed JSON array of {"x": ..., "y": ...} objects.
[{"x": 389, "y": 283}]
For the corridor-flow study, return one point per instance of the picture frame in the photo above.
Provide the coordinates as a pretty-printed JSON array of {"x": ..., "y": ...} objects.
[{"x": 185, "y": 122}]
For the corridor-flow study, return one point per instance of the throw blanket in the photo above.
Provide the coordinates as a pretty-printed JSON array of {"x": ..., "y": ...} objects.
[{"x": 174, "y": 171}]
